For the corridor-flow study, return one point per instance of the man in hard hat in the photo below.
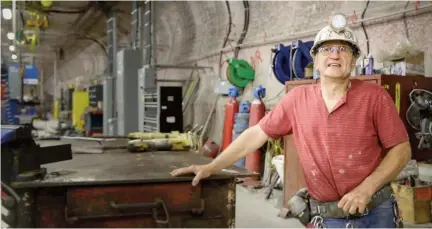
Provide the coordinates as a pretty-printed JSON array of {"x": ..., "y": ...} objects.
[{"x": 341, "y": 128}]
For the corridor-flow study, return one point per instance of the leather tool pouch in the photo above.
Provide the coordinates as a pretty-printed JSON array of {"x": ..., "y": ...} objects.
[{"x": 298, "y": 207}]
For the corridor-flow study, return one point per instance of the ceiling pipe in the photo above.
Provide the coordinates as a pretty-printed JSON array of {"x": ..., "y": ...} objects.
[{"x": 310, "y": 33}]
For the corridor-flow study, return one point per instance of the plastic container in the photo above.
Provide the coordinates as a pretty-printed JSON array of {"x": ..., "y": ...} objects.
[{"x": 279, "y": 162}]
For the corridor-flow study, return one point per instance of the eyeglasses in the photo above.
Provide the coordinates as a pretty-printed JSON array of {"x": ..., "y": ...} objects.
[{"x": 326, "y": 50}]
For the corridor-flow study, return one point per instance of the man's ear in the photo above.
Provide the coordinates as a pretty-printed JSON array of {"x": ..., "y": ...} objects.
[{"x": 314, "y": 62}]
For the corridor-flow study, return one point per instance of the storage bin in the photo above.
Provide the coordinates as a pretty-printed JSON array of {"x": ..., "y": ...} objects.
[{"x": 414, "y": 203}]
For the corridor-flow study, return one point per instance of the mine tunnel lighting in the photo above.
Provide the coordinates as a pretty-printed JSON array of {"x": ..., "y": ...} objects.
[
  {"x": 11, "y": 48},
  {"x": 7, "y": 13},
  {"x": 10, "y": 36},
  {"x": 14, "y": 57}
]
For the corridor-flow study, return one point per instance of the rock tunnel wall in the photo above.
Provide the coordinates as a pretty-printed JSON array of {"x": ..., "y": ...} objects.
[{"x": 194, "y": 32}]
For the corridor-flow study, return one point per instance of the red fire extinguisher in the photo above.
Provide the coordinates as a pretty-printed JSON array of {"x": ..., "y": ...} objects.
[
  {"x": 231, "y": 108},
  {"x": 257, "y": 112}
]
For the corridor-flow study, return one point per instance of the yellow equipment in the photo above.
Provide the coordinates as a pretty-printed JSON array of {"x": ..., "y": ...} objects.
[
  {"x": 56, "y": 109},
  {"x": 37, "y": 20},
  {"x": 46, "y": 3},
  {"x": 80, "y": 101},
  {"x": 28, "y": 37},
  {"x": 155, "y": 141},
  {"x": 153, "y": 135},
  {"x": 169, "y": 144}
]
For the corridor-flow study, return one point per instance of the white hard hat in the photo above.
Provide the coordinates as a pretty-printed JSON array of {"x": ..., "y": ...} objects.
[{"x": 337, "y": 30}]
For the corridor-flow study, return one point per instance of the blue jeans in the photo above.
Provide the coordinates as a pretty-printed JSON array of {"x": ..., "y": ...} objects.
[{"x": 382, "y": 216}]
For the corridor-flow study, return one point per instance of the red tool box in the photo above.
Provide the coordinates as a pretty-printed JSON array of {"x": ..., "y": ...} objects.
[{"x": 130, "y": 190}]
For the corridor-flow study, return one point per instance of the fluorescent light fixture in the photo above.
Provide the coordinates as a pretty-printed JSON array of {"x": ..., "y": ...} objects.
[
  {"x": 10, "y": 36},
  {"x": 7, "y": 13},
  {"x": 11, "y": 48},
  {"x": 14, "y": 57}
]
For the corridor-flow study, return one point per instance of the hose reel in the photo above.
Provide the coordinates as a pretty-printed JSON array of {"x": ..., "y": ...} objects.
[
  {"x": 290, "y": 61},
  {"x": 239, "y": 72}
]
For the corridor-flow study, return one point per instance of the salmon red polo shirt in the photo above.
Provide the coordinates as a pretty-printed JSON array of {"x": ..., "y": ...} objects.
[{"x": 337, "y": 150}]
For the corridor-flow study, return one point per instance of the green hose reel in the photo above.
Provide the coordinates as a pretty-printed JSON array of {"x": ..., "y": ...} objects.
[{"x": 239, "y": 72}]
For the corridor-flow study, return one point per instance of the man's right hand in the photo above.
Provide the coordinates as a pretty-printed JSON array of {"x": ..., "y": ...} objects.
[{"x": 201, "y": 172}]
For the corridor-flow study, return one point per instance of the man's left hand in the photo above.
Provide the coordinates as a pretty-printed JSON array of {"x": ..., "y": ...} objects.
[{"x": 355, "y": 201}]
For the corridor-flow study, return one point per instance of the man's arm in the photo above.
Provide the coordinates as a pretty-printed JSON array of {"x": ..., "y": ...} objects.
[
  {"x": 392, "y": 135},
  {"x": 274, "y": 125},
  {"x": 389, "y": 168},
  {"x": 246, "y": 143}
]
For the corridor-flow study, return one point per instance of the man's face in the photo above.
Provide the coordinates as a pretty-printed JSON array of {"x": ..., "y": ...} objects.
[{"x": 334, "y": 60}]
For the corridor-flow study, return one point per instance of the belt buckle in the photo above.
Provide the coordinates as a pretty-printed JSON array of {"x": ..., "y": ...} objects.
[{"x": 358, "y": 215}]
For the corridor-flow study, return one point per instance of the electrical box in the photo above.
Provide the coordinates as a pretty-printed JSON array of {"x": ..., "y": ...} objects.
[
  {"x": 148, "y": 100},
  {"x": 15, "y": 82},
  {"x": 160, "y": 109},
  {"x": 126, "y": 103},
  {"x": 170, "y": 109}
]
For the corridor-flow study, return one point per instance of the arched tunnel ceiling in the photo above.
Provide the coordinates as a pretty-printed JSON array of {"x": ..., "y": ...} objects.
[{"x": 192, "y": 30}]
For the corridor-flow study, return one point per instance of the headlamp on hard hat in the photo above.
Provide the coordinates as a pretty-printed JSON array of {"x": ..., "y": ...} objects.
[{"x": 338, "y": 22}]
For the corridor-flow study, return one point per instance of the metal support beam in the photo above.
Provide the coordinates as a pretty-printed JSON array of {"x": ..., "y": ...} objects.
[
  {"x": 14, "y": 20},
  {"x": 179, "y": 66},
  {"x": 153, "y": 32},
  {"x": 109, "y": 80},
  {"x": 41, "y": 84},
  {"x": 134, "y": 23},
  {"x": 55, "y": 78}
]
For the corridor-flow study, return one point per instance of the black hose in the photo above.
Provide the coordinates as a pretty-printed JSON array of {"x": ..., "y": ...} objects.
[
  {"x": 64, "y": 12},
  {"x": 245, "y": 27},
  {"x": 364, "y": 29},
  {"x": 229, "y": 24},
  {"x": 226, "y": 37},
  {"x": 11, "y": 192}
]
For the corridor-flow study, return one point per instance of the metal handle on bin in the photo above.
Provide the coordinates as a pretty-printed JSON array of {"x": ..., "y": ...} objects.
[
  {"x": 154, "y": 206},
  {"x": 133, "y": 206}
]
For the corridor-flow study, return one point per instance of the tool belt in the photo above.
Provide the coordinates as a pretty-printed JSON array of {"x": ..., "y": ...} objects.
[
  {"x": 304, "y": 208},
  {"x": 331, "y": 210}
]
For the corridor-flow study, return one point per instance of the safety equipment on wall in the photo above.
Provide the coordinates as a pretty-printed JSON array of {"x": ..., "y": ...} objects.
[
  {"x": 337, "y": 30},
  {"x": 231, "y": 108},
  {"x": 240, "y": 72},
  {"x": 289, "y": 62},
  {"x": 419, "y": 115},
  {"x": 257, "y": 112}
]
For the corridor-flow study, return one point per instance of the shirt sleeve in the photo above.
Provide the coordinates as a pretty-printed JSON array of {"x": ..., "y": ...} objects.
[
  {"x": 277, "y": 122},
  {"x": 389, "y": 126}
]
